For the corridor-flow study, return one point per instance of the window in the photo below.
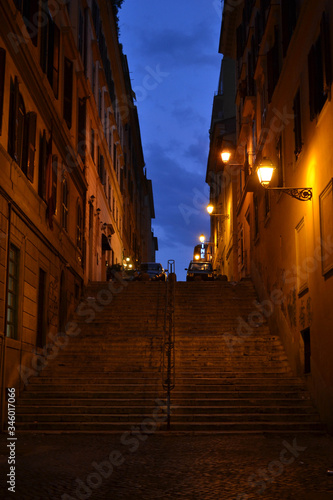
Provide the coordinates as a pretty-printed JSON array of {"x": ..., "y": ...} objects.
[
  {"x": 43, "y": 149},
  {"x": 101, "y": 169},
  {"x": 29, "y": 10},
  {"x": 241, "y": 246},
  {"x": 92, "y": 144},
  {"x": 41, "y": 323},
  {"x": 50, "y": 44},
  {"x": 301, "y": 258},
  {"x": 64, "y": 205},
  {"x": 12, "y": 294},
  {"x": 289, "y": 15},
  {"x": 21, "y": 132},
  {"x": 267, "y": 202},
  {"x": 326, "y": 227},
  {"x": 2, "y": 82},
  {"x": 79, "y": 226},
  {"x": 115, "y": 157},
  {"x": 297, "y": 124},
  {"x": 307, "y": 350},
  {"x": 81, "y": 147},
  {"x": 280, "y": 163},
  {"x": 319, "y": 68},
  {"x": 68, "y": 92},
  {"x": 273, "y": 65}
]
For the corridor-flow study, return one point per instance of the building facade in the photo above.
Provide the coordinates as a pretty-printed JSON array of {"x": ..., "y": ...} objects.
[
  {"x": 282, "y": 52},
  {"x": 74, "y": 196}
]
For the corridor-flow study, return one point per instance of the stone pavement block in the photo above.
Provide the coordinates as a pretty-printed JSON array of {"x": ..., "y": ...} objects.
[{"x": 161, "y": 466}]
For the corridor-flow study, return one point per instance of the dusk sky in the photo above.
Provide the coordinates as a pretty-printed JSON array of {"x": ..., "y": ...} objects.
[{"x": 172, "y": 51}]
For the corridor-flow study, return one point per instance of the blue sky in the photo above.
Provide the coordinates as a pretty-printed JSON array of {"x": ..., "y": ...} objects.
[{"x": 172, "y": 51}]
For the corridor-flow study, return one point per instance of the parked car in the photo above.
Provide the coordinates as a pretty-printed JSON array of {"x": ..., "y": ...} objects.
[
  {"x": 198, "y": 270},
  {"x": 154, "y": 270}
]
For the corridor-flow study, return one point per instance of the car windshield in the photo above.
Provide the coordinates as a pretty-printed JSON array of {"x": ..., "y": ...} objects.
[
  {"x": 200, "y": 266},
  {"x": 150, "y": 267}
]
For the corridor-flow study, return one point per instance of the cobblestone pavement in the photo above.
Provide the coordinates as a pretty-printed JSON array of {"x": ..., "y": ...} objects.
[{"x": 160, "y": 466}]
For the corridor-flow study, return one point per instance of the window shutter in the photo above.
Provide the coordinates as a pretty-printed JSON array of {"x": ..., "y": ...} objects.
[
  {"x": 68, "y": 92},
  {"x": 52, "y": 57},
  {"x": 30, "y": 9},
  {"x": 285, "y": 25},
  {"x": 297, "y": 124},
  {"x": 44, "y": 39},
  {"x": 82, "y": 128},
  {"x": 54, "y": 181},
  {"x": 13, "y": 118},
  {"x": 55, "y": 58},
  {"x": 326, "y": 51},
  {"x": 2, "y": 82},
  {"x": 312, "y": 83},
  {"x": 42, "y": 166},
  {"x": 29, "y": 144}
]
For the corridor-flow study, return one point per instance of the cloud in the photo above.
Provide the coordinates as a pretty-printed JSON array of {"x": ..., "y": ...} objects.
[{"x": 173, "y": 47}]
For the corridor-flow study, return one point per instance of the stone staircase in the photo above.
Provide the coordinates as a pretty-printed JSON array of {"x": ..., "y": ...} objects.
[
  {"x": 232, "y": 375},
  {"x": 108, "y": 377},
  {"x": 227, "y": 378}
]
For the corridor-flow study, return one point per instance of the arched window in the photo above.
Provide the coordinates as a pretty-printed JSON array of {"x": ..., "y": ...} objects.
[
  {"x": 64, "y": 204},
  {"x": 79, "y": 226}
]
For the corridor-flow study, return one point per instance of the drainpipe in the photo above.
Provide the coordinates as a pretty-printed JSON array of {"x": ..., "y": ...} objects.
[{"x": 3, "y": 353}]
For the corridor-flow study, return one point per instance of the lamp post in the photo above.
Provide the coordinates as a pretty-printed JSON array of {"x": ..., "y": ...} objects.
[{"x": 265, "y": 172}]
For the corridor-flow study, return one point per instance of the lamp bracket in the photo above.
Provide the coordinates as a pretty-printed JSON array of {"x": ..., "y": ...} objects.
[
  {"x": 302, "y": 194},
  {"x": 223, "y": 216}
]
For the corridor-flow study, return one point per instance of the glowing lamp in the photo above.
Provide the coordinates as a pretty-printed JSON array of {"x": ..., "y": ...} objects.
[
  {"x": 265, "y": 171},
  {"x": 225, "y": 155}
]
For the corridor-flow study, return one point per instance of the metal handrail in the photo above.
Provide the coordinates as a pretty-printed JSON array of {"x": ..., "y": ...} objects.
[{"x": 168, "y": 365}]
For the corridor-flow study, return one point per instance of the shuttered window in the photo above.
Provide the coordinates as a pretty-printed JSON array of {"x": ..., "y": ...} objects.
[
  {"x": 289, "y": 19},
  {"x": 13, "y": 293},
  {"x": 273, "y": 65},
  {"x": 81, "y": 147},
  {"x": 320, "y": 69},
  {"x": 28, "y": 160},
  {"x": 21, "y": 132},
  {"x": 49, "y": 55},
  {"x": 79, "y": 227},
  {"x": 12, "y": 123},
  {"x": 64, "y": 205},
  {"x": 68, "y": 92},
  {"x": 42, "y": 166},
  {"x": 2, "y": 82}
]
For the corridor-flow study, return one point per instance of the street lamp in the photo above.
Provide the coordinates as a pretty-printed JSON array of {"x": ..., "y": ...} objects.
[
  {"x": 225, "y": 155},
  {"x": 210, "y": 210},
  {"x": 265, "y": 172},
  {"x": 202, "y": 238}
]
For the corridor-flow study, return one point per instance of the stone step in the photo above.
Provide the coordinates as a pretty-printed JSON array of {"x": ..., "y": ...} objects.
[
  {"x": 130, "y": 379},
  {"x": 152, "y": 426},
  {"x": 143, "y": 385},
  {"x": 114, "y": 402},
  {"x": 183, "y": 410},
  {"x": 178, "y": 395},
  {"x": 177, "y": 418}
]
